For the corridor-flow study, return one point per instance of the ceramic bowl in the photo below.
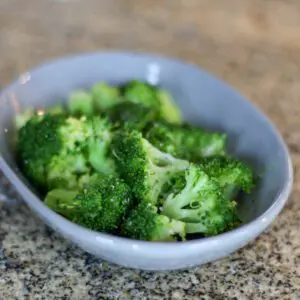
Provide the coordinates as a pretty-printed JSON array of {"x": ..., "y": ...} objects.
[{"x": 204, "y": 101}]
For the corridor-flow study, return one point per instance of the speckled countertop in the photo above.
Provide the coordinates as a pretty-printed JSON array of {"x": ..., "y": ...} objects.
[{"x": 252, "y": 44}]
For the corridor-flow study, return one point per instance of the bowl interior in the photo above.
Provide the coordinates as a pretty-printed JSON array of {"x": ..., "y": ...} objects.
[{"x": 204, "y": 100}]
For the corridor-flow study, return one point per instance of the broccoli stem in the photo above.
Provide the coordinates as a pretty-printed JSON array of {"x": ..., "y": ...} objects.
[
  {"x": 195, "y": 228},
  {"x": 162, "y": 165},
  {"x": 162, "y": 159}
]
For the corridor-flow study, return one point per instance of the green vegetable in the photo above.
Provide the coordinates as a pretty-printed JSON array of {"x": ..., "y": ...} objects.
[
  {"x": 121, "y": 160},
  {"x": 154, "y": 98},
  {"x": 90, "y": 179},
  {"x": 144, "y": 223},
  {"x": 24, "y": 117},
  {"x": 99, "y": 146},
  {"x": 231, "y": 174},
  {"x": 169, "y": 111},
  {"x": 134, "y": 115},
  {"x": 100, "y": 207},
  {"x": 105, "y": 96},
  {"x": 140, "y": 92},
  {"x": 144, "y": 167},
  {"x": 200, "y": 202},
  {"x": 55, "y": 150},
  {"x": 185, "y": 141},
  {"x": 80, "y": 103},
  {"x": 56, "y": 110}
]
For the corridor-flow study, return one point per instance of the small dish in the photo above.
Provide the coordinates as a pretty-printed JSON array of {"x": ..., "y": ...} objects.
[{"x": 204, "y": 101}]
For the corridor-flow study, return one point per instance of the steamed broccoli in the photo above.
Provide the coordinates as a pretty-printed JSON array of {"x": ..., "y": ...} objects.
[
  {"x": 105, "y": 96},
  {"x": 134, "y": 115},
  {"x": 144, "y": 167},
  {"x": 153, "y": 97},
  {"x": 63, "y": 170},
  {"x": 140, "y": 92},
  {"x": 230, "y": 173},
  {"x": 28, "y": 113},
  {"x": 38, "y": 143},
  {"x": 90, "y": 179},
  {"x": 144, "y": 223},
  {"x": 121, "y": 160},
  {"x": 169, "y": 111},
  {"x": 100, "y": 207},
  {"x": 200, "y": 202},
  {"x": 55, "y": 149},
  {"x": 80, "y": 103},
  {"x": 186, "y": 142},
  {"x": 99, "y": 146},
  {"x": 24, "y": 117}
]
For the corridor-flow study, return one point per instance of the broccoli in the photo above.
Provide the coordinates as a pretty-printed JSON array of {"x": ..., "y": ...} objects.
[
  {"x": 144, "y": 167},
  {"x": 168, "y": 109},
  {"x": 24, "y": 117},
  {"x": 90, "y": 179},
  {"x": 144, "y": 223},
  {"x": 230, "y": 173},
  {"x": 200, "y": 202},
  {"x": 140, "y": 92},
  {"x": 55, "y": 149},
  {"x": 80, "y": 103},
  {"x": 99, "y": 146},
  {"x": 59, "y": 201},
  {"x": 173, "y": 186},
  {"x": 105, "y": 96},
  {"x": 153, "y": 97},
  {"x": 121, "y": 160},
  {"x": 134, "y": 115},
  {"x": 186, "y": 142},
  {"x": 63, "y": 170},
  {"x": 38, "y": 143},
  {"x": 100, "y": 207},
  {"x": 57, "y": 109}
]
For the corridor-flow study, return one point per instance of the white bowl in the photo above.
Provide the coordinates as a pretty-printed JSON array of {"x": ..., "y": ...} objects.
[{"x": 204, "y": 100}]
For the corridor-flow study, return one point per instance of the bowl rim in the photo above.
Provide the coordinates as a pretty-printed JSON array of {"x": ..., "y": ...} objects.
[{"x": 49, "y": 216}]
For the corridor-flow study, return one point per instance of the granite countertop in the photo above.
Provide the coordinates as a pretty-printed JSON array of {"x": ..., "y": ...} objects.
[{"x": 252, "y": 44}]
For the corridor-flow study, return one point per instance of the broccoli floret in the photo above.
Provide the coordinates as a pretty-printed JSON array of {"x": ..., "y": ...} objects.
[
  {"x": 144, "y": 167},
  {"x": 63, "y": 170},
  {"x": 230, "y": 222},
  {"x": 200, "y": 202},
  {"x": 38, "y": 143},
  {"x": 100, "y": 207},
  {"x": 99, "y": 146},
  {"x": 28, "y": 113},
  {"x": 24, "y": 117},
  {"x": 141, "y": 92},
  {"x": 134, "y": 115},
  {"x": 144, "y": 223},
  {"x": 55, "y": 149},
  {"x": 80, "y": 103},
  {"x": 105, "y": 96},
  {"x": 230, "y": 173},
  {"x": 153, "y": 97},
  {"x": 90, "y": 179},
  {"x": 169, "y": 111},
  {"x": 186, "y": 142}
]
